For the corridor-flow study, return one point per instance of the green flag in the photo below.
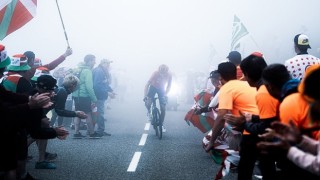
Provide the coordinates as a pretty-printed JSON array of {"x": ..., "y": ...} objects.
[{"x": 238, "y": 31}]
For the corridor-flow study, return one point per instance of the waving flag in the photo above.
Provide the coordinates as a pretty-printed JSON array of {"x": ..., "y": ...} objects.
[
  {"x": 14, "y": 14},
  {"x": 238, "y": 31},
  {"x": 204, "y": 122}
]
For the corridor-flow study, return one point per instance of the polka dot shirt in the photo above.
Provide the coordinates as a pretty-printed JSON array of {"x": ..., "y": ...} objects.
[{"x": 298, "y": 64}]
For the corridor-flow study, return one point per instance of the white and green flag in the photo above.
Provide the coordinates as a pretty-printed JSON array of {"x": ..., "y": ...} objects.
[{"x": 238, "y": 31}]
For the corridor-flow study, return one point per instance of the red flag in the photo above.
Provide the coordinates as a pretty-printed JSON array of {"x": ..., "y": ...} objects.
[{"x": 14, "y": 14}]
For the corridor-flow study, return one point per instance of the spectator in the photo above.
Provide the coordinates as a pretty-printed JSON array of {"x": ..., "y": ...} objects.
[
  {"x": 31, "y": 62},
  {"x": 299, "y": 63},
  {"x": 293, "y": 107},
  {"x": 231, "y": 88},
  {"x": 235, "y": 58},
  {"x": 15, "y": 132},
  {"x": 44, "y": 84},
  {"x": 252, "y": 68},
  {"x": 102, "y": 89},
  {"x": 298, "y": 148},
  {"x": 14, "y": 80},
  {"x": 84, "y": 97},
  {"x": 70, "y": 83},
  {"x": 39, "y": 71}
]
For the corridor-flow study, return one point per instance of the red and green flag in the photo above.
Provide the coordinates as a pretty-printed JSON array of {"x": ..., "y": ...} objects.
[{"x": 14, "y": 14}]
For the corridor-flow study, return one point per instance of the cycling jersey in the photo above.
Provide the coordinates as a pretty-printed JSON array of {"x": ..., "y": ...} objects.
[{"x": 159, "y": 80}]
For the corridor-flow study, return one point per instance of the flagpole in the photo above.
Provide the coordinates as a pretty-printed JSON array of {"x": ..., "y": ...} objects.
[
  {"x": 255, "y": 43},
  {"x": 64, "y": 29}
]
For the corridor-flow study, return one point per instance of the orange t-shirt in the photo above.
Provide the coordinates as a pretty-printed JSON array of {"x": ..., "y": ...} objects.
[
  {"x": 267, "y": 104},
  {"x": 294, "y": 107},
  {"x": 237, "y": 96}
]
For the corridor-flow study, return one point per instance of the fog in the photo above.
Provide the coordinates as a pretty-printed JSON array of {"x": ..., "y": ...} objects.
[{"x": 187, "y": 35}]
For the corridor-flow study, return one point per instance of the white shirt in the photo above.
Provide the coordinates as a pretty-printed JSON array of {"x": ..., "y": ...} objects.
[
  {"x": 306, "y": 155},
  {"x": 299, "y": 63}
]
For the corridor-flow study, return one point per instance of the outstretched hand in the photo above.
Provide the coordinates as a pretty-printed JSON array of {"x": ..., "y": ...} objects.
[
  {"x": 62, "y": 133},
  {"x": 285, "y": 136},
  {"x": 81, "y": 115},
  {"x": 197, "y": 110},
  {"x": 290, "y": 132},
  {"x": 68, "y": 52},
  {"x": 112, "y": 95},
  {"x": 208, "y": 147},
  {"x": 40, "y": 101}
]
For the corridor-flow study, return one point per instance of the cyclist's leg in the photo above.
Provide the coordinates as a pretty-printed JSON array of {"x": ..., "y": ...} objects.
[
  {"x": 162, "y": 102},
  {"x": 150, "y": 94}
]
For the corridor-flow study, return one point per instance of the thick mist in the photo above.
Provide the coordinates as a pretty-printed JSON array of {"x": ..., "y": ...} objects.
[{"x": 187, "y": 35}]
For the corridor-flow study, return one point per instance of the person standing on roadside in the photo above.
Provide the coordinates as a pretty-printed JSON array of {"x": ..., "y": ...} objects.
[
  {"x": 84, "y": 97},
  {"x": 299, "y": 63},
  {"x": 102, "y": 89}
]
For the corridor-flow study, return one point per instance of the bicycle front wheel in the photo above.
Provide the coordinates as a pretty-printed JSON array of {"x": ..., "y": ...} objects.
[
  {"x": 156, "y": 120},
  {"x": 160, "y": 130}
]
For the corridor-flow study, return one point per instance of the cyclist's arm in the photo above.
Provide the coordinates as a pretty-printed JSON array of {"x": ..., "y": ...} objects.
[
  {"x": 149, "y": 83},
  {"x": 146, "y": 88},
  {"x": 169, "y": 84}
]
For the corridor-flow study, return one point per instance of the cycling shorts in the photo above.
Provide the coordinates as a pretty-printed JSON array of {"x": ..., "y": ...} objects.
[{"x": 152, "y": 91}]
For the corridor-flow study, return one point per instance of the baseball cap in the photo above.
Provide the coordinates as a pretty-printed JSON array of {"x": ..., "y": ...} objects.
[
  {"x": 302, "y": 40},
  {"x": 214, "y": 74},
  {"x": 46, "y": 82},
  {"x": 234, "y": 56},
  {"x": 105, "y": 61}
]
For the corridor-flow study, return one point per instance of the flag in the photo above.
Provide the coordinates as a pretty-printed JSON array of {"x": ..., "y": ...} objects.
[
  {"x": 14, "y": 14},
  {"x": 238, "y": 31},
  {"x": 204, "y": 122}
]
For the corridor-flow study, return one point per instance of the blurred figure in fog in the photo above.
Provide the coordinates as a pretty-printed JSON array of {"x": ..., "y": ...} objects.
[
  {"x": 102, "y": 89},
  {"x": 159, "y": 83},
  {"x": 235, "y": 58}
]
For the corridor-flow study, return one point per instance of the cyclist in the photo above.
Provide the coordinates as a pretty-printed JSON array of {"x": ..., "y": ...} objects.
[{"x": 159, "y": 83}]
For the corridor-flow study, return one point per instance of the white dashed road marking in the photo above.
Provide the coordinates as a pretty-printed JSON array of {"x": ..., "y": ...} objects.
[
  {"x": 136, "y": 157},
  {"x": 147, "y": 127},
  {"x": 143, "y": 139},
  {"x": 134, "y": 162}
]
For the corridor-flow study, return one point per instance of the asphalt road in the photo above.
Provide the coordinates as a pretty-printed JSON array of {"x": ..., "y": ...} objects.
[{"x": 124, "y": 155}]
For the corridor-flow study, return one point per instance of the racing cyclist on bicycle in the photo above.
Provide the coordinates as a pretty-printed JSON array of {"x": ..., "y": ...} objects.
[{"x": 159, "y": 83}]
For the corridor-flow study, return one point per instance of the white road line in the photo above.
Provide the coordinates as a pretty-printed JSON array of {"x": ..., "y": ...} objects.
[
  {"x": 147, "y": 127},
  {"x": 134, "y": 162},
  {"x": 143, "y": 139}
]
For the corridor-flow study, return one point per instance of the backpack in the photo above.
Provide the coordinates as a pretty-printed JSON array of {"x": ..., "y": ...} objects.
[{"x": 76, "y": 72}]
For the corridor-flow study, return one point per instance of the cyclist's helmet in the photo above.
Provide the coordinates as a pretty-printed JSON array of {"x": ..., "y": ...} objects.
[{"x": 163, "y": 68}]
